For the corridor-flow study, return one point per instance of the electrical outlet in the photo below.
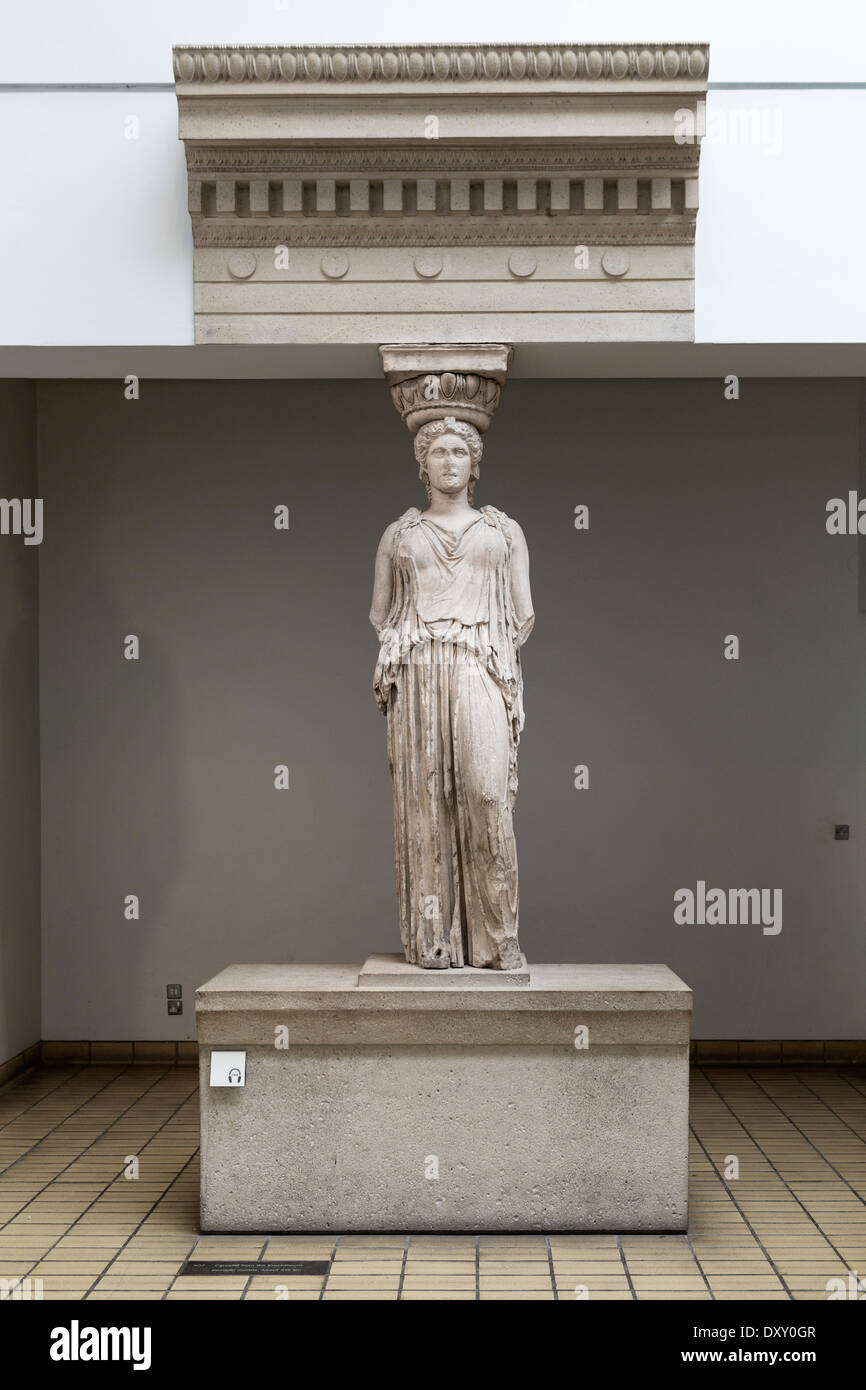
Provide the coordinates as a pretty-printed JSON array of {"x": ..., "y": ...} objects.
[
  {"x": 174, "y": 991},
  {"x": 842, "y": 832},
  {"x": 175, "y": 1006}
]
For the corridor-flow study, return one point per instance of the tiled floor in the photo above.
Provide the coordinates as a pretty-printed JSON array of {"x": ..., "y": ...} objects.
[{"x": 793, "y": 1219}]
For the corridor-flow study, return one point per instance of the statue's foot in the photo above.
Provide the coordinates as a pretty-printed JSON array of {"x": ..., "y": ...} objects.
[
  {"x": 509, "y": 957},
  {"x": 438, "y": 959}
]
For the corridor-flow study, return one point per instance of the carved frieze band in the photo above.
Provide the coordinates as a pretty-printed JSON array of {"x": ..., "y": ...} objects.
[
  {"x": 438, "y": 157},
  {"x": 608, "y": 231},
  {"x": 439, "y": 63}
]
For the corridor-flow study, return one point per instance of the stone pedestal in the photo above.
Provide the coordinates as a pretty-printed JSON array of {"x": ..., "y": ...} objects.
[{"x": 561, "y": 1104}]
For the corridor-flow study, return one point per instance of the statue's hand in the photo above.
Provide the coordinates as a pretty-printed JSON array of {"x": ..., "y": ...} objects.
[{"x": 382, "y": 677}]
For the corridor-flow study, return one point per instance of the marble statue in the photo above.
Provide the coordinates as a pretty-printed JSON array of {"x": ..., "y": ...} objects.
[{"x": 452, "y": 608}]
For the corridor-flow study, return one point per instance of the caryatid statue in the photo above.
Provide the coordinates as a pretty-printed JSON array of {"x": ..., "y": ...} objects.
[{"x": 452, "y": 608}]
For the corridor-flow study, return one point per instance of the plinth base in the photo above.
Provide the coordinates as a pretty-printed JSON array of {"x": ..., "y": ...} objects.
[
  {"x": 558, "y": 1105},
  {"x": 395, "y": 972}
]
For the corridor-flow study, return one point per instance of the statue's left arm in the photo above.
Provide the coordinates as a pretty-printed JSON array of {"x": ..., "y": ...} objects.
[{"x": 521, "y": 597}]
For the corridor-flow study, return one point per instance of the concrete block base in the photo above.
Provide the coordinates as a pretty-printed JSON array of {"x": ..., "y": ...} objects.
[{"x": 557, "y": 1105}]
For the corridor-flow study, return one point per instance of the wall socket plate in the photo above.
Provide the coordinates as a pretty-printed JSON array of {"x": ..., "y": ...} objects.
[{"x": 228, "y": 1068}]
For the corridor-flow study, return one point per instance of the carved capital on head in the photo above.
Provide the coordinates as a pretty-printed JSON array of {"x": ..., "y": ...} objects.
[{"x": 432, "y": 380}]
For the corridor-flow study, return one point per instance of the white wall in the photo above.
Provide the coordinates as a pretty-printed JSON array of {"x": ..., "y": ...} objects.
[
  {"x": 95, "y": 238},
  {"x": 751, "y": 40}
]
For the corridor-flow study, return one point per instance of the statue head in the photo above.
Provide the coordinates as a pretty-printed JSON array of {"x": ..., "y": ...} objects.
[{"x": 451, "y": 450}]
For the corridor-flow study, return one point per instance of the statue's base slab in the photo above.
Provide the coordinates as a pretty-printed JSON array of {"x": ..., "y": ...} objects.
[
  {"x": 395, "y": 972},
  {"x": 557, "y": 1106}
]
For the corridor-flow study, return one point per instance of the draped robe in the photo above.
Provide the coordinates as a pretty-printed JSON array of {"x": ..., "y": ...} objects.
[{"x": 448, "y": 679}]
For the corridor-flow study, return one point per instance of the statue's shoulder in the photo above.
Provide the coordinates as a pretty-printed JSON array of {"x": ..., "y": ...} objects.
[
  {"x": 409, "y": 518},
  {"x": 494, "y": 517},
  {"x": 396, "y": 528},
  {"x": 510, "y": 528}
]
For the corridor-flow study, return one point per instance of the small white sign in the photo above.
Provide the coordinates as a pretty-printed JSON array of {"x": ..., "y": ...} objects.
[{"x": 228, "y": 1068}]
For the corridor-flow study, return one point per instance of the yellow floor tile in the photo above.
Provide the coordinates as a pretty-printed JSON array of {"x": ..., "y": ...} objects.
[
  {"x": 439, "y": 1281},
  {"x": 442, "y": 1295},
  {"x": 516, "y": 1296},
  {"x": 293, "y": 1295},
  {"x": 348, "y": 1296}
]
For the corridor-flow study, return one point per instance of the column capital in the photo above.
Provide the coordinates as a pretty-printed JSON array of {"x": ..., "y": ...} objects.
[{"x": 430, "y": 381}]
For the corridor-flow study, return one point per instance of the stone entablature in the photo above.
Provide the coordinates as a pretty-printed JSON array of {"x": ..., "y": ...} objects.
[{"x": 520, "y": 193}]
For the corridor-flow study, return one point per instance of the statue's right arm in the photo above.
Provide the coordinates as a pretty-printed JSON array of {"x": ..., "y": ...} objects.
[{"x": 383, "y": 580}]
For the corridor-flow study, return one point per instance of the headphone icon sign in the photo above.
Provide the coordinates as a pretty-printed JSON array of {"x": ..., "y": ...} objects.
[{"x": 235, "y": 1077}]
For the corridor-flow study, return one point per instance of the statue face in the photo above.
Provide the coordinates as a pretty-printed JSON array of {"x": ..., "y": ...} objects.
[{"x": 449, "y": 463}]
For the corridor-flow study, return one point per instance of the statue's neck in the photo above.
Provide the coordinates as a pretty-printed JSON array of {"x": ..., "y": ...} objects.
[{"x": 448, "y": 504}]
